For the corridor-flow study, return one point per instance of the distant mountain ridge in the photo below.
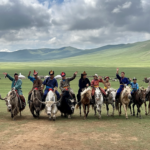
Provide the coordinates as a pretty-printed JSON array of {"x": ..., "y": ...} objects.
[{"x": 45, "y": 54}]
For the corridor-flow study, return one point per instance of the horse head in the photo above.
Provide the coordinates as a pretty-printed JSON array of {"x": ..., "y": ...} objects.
[
  {"x": 98, "y": 94},
  {"x": 9, "y": 99},
  {"x": 127, "y": 92},
  {"x": 142, "y": 94},
  {"x": 112, "y": 95}
]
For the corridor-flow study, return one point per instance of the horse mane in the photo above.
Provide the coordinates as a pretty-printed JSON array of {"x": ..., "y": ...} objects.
[{"x": 86, "y": 90}]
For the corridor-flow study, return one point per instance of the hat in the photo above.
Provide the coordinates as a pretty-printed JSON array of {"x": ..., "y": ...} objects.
[
  {"x": 134, "y": 78},
  {"x": 96, "y": 75},
  {"x": 51, "y": 72},
  {"x": 63, "y": 74},
  {"x": 84, "y": 73},
  {"x": 106, "y": 78},
  {"x": 35, "y": 73},
  {"x": 16, "y": 74}
]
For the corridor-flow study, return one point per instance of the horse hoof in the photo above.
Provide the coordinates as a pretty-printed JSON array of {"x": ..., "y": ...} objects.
[
  {"x": 54, "y": 119},
  {"x": 146, "y": 114}
]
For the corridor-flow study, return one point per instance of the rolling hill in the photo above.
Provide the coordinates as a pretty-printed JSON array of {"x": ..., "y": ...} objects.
[{"x": 136, "y": 54}]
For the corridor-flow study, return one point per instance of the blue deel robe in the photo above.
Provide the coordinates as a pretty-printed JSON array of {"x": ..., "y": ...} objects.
[
  {"x": 134, "y": 86},
  {"x": 122, "y": 81},
  {"x": 50, "y": 84}
]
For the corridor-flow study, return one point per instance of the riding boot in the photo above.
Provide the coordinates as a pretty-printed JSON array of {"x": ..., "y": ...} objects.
[{"x": 93, "y": 100}]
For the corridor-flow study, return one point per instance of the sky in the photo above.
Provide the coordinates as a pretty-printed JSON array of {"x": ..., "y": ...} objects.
[{"x": 31, "y": 24}]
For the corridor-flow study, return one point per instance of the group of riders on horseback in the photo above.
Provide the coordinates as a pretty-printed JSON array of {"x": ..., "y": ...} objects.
[{"x": 51, "y": 84}]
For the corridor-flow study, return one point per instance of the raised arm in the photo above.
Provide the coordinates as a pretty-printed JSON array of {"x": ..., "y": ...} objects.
[
  {"x": 9, "y": 77},
  {"x": 73, "y": 77},
  {"x": 117, "y": 74}
]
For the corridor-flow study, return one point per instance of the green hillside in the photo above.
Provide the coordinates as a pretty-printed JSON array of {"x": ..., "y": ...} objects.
[{"x": 125, "y": 55}]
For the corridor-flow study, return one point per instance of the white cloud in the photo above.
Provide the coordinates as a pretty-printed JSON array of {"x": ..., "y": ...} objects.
[
  {"x": 79, "y": 23},
  {"x": 124, "y": 6},
  {"x": 4, "y": 50}
]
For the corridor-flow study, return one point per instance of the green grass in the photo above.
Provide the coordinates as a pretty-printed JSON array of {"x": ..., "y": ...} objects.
[{"x": 108, "y": 133}]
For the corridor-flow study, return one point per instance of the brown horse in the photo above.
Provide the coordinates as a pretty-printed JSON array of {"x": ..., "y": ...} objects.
[
  {"x": 124, "y": 100},
  {"x": 85, "y": 101},
  {"x": 138, "y": 99}
]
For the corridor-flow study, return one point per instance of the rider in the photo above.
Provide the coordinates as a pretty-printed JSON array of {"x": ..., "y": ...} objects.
[
  {"x": 123, "y": 82},
  {"x": 147, "y": 80},
  {"x": 95, "y": 84},
  {"x": 51, "y": 84},
  {"x": 65, "y": 83},
  {"x": 16, "y": 85},
  {"x": 83, "y": 83},
  {"x": 106, "y": 83},
  {"x": 36, "y": 83},
  {"x": 134, "y": 86}
]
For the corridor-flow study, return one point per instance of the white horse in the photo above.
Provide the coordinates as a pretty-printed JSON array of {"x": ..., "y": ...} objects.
[
  {"x": 50, "y": 105},
  {"x": 110, "y": 100},
  {"x": 98, "y": 101}
]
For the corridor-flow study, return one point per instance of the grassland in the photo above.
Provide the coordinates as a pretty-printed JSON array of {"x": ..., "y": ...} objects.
[{"x": 108, "y": 133}]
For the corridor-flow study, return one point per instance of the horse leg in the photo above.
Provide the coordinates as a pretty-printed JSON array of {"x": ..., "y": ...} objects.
[
  {"x": 133, "y": 109},
  {"x": 20, "y": 113},
  {"x": 107, "y": 109},
  {"x": 130, "y": 109},
  {"x": 149, "y": 108},
  {"x": 124, "y": 106},
  {"x": 120, "y": 110},
  {"x": 100, "y": 107},
  {"x": 84, "y": 109},
  {"x": 32, "y": 111},
  {"x": 145, "y": 108},
  {"x": 113, "y": 109},
  {"x": 87, "y": 110},
  {"x": 95, "y": 110},
  {"x": 80, "y": 110}
]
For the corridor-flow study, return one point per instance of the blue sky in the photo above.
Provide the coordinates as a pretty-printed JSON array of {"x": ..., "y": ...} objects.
[{"x": 32, "y": 24}]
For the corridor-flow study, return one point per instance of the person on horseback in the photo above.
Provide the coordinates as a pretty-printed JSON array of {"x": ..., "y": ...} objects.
[
  {"x": 106, "y": 83},
  {"x": 147, "y": 80},
  {"x": 36, "y": 84},
  {"x": 83, "y": 83},
  {"x": 134, "y": 86},
  {"x": 65, "y": 84},
  {"x": 95, "y": 84},
  {"x": 123, "y": 82},
  {"x": 16, "y": 85},
  {"x": 51, "y": 84}
]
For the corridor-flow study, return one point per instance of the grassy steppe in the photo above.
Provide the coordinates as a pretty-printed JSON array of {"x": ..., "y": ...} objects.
[{"x": 108, "y": 133}]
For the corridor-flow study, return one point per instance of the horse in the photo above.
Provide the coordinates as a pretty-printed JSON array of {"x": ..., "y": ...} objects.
[
  {"x": 147, "y": 99},
  {"x": 138, "y": 99},
  {"x": 67, "y": 104},
  {"x": 124, "y": 100},
  {"x": 50, "y": 105},
  {"x": 98, "y": 101},
  {"x": 34, "y": 104},
  {"x": 111, "y": 94},
  {"x": 85, "y": 101},
  {"x": 14, "y": 104}
]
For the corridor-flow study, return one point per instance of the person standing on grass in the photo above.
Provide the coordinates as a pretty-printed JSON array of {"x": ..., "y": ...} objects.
[
  {"x": 51, "y": 84},
  {"x": 36, "y": 84},
  {"x": 65, "y": 84},
  {"x": 123, "y": 82}
]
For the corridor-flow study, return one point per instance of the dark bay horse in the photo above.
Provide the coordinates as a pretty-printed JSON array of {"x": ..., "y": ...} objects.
[{"x": 138, "y": 99}]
